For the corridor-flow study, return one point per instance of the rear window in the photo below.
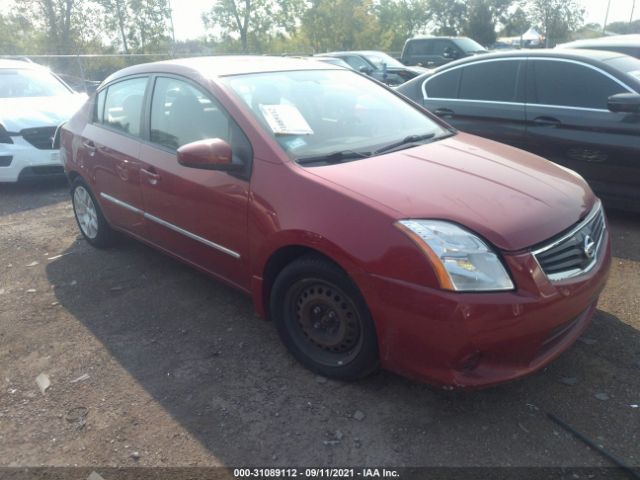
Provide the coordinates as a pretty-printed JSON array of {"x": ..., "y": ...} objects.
[
  {"x": 493, "y": 81},
  {"x": 443, "y": 85}
]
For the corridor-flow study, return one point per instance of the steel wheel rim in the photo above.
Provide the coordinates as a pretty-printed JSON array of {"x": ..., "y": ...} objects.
[
  {"x": 325, "y": 322},
  {"x": 86, "y": 213}
]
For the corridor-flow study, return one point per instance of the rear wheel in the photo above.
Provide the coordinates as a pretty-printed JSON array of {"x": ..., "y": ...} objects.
[
  {"x": 323, "y": 319},
  {"x": 91, "y": 221}
]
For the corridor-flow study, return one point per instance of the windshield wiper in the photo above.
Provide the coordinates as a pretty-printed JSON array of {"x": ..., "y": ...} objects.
[
  {"x": 408, "y": 141},
  {"x": 335, "y": 157}
]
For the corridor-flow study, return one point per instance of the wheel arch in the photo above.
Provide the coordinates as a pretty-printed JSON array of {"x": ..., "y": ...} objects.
[{"x": 284, "y": 255}]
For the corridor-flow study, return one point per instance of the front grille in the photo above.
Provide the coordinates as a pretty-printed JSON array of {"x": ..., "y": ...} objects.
[
  {"x": 576, "y": 252},
  {"x": 41, "y": 138}
]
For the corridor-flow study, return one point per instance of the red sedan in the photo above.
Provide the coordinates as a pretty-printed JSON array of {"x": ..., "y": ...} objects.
[{"x": 369, "y": 231}]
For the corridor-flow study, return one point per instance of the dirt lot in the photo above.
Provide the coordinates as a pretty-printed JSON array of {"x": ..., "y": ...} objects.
[{"x": 181, "y": 372}]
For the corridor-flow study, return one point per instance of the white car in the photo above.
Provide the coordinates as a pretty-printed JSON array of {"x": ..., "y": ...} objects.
[{"x": 33, "y": 102}]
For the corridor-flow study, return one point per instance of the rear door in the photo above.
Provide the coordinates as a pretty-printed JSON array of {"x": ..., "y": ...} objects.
[
  {"x": 568, "y": 122},
  {"x": 112, "y": 144},
  {"x": 485, "y": 98},
  {"x": 198, "y": 215}
]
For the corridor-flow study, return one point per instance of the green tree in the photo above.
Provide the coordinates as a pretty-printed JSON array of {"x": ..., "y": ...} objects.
[
  {"x": 340, "y": 25},
  {"x": 399, "y": 20},
  {"x": 481, "y": 24},
  {"x": 556, "y": 18},
  {"x": 253, "y": 22},
  {"x": 624, "y": 28},
  {"x": 139, "y": 25},
  {"x": 514, "y": 23},
  {"x": 448, "y": 17}
]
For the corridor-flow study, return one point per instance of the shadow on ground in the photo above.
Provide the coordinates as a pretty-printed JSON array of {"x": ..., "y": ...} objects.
[
  {"x": 198, "y": 350},
  {"x": 20, "y": 197}
]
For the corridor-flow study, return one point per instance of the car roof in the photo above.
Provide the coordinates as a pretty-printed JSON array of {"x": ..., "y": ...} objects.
[
  {"x": 220, "y": 66},
  {"x": 434, "y": 37},
  {"x": 10, "y": 63},
  {"x": 632, "y": 40},
  {"x": 588, "y": 56}
]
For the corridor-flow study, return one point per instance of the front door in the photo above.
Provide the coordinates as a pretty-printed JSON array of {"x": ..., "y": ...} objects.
[
  {"x": 568, "y": 123},
  {"x": 198, "y": 215}
]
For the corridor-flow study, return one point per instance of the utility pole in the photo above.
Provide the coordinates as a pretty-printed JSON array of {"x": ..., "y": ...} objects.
[
  {"x": 606, "y": 17},
  {"x": 173, "y": 32},
  {"x": 633, "y": 7}
]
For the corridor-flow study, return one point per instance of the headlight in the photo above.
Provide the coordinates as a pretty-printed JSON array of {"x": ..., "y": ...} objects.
[{"x": 462, "y": 261}]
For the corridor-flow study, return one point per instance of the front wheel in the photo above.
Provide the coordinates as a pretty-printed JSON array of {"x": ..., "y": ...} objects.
[
  {"x": 323, "y": 320},
  {"x": 91, "y": 221}
]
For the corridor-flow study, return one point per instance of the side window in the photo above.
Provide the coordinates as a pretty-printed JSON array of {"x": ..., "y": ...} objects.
[
  {"x": 98, "y": 111},
  {"x": 493, "y": 81},
  {"x": 181, "y": 114},
  {"x": 420, "y": 47},
  {"x": 123, "y": 105},
  {"x": 444, "y": 85},
  {"x": 439, "y": 47},
  {"x": 572, "y": 85}
]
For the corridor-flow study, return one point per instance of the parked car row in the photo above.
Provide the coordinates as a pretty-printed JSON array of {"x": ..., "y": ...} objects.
[
  {"x": 378, "y": 65},
  {"x": 33, "y": 103},
  {"x": 370, "y": 231},
  {"x": 578, "y": 108}
]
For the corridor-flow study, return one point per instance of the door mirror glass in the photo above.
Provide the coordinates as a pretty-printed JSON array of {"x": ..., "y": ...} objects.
[
  {"x": 624, "y": 103},
  {"x": 209, "y": 154}
]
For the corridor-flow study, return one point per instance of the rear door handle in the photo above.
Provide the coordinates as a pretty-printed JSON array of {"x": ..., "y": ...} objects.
[
  {"x": 444, "y": 112},
  {"x": 151, "y": 174},
  {"x": 546, "y": 122},
  {"x": 90, "y": 146}
]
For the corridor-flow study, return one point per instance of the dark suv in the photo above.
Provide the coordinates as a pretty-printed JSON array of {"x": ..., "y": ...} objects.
[{"x": 432, "y": 52}]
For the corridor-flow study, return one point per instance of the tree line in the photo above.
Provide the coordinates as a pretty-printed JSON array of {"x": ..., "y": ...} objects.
[{"x": 272, "y": 26}]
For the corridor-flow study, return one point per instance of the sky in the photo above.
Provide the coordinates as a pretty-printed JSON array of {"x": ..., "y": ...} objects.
[{"x": 188, "y": 23}]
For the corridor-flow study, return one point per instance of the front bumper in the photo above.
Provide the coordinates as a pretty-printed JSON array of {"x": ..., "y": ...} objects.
[
  {"x": 473, "y": 340},
  {"x": 21, "y": 160}
]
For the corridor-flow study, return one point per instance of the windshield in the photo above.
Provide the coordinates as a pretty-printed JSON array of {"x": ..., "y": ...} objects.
[
  {"x": 469, "y": 46},
  {"x": 29, "y": 83},
  {"x": 320, "y": 112},
  {"x": 378, "y": 58},
  {"x": 628, "y": 65}
]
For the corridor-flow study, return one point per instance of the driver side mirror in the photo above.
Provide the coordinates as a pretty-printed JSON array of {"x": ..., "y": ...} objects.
[
  {"x": 365, "y": 70},
  {"x": 209, "y": 154},
  {"x": 624, "y": 103}
]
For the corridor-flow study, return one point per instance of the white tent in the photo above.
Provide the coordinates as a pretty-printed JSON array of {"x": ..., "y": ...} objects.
[{"x": 532, "y": 37}]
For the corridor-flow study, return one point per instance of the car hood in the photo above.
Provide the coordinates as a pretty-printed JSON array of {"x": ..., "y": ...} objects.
[
  {"x": 29, "y": 112},
  {"x": 512, "y": 198}
]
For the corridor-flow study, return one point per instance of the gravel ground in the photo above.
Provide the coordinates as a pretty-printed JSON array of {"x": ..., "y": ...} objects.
[{"x": 153, "y": 364}]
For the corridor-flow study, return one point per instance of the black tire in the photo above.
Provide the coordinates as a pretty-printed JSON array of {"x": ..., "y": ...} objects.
[
  {"x": 99, "y": 233},
  {"x": 323, "y": 320}
]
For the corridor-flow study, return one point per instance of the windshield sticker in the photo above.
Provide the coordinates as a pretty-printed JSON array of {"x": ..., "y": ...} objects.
[
  {"x": 294, "y": 143},
  {"x": 285, "y": 120}
]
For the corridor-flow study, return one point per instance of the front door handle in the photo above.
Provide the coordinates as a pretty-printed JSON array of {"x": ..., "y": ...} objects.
[
  {"x": 546, "y": 122},
  {"x": 444, "y": 112},
  {"x": 152, "y": 176}
]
